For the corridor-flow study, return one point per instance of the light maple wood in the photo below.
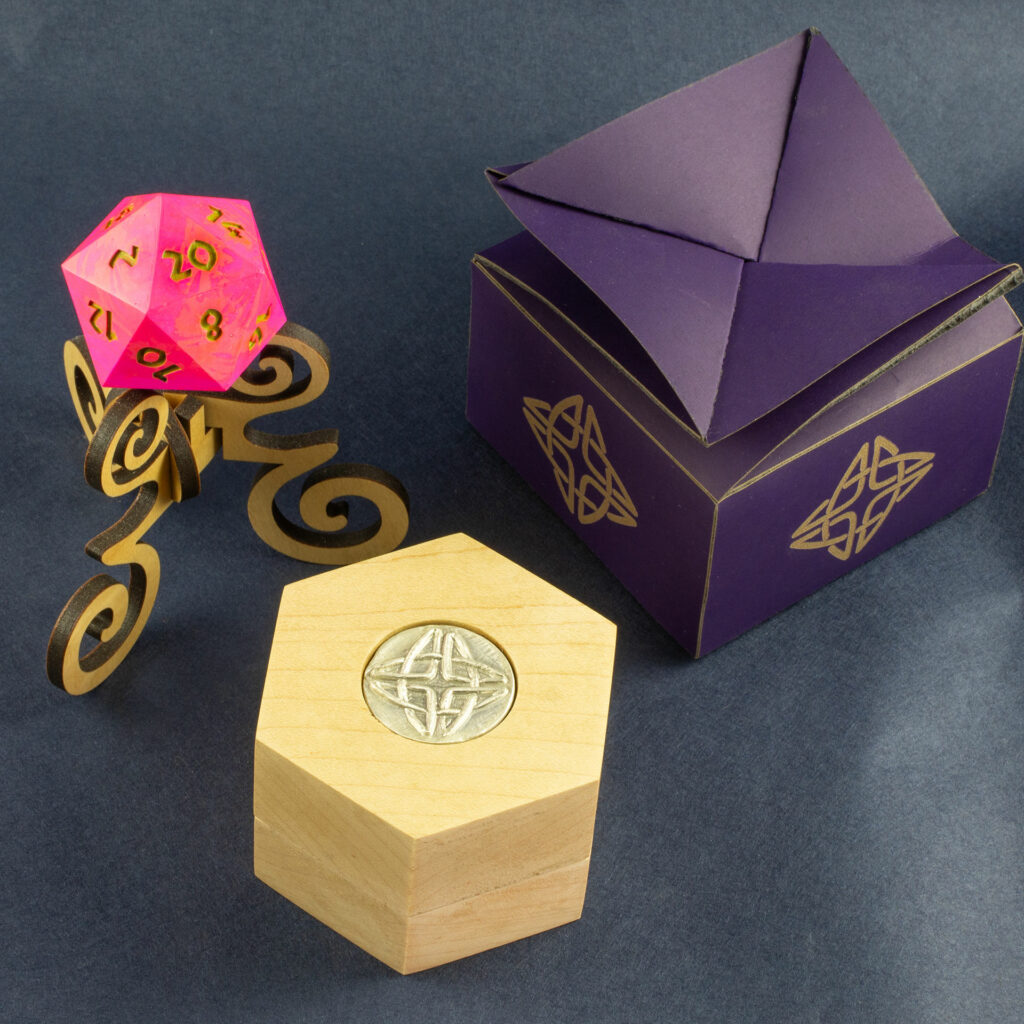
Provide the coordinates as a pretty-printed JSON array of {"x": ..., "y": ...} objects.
[
  {"x": 415, "y": 942},
  {"x": 414, "y": 827}
]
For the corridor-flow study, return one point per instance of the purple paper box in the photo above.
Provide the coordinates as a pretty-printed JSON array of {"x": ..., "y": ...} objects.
[{"x": 739, "y": 348}]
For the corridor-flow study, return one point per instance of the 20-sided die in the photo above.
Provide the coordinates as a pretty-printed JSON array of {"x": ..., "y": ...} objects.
[{"x": 174, "y": 292}]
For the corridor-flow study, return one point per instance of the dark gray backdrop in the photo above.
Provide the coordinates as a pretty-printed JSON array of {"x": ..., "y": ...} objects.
[{"x": 820, "y": 822}]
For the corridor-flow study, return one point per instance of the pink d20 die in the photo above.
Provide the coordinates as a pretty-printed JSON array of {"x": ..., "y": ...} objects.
[{"x": 174, "y": 293}]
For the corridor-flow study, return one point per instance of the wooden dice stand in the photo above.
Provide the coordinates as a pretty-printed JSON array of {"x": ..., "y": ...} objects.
[{"x": 158, "y": 443}]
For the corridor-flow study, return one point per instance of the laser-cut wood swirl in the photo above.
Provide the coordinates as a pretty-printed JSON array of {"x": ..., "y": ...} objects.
[{"x": 158, "y": 443}]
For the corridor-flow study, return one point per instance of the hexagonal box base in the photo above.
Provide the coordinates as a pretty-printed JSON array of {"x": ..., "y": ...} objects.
[
  {"x": 414, "y": 943},
  {"x": 401, "y": 827}
]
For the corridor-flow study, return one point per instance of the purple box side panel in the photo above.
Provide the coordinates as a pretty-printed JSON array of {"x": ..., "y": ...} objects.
[
  {"x": 589, "y": 461},
  {"x": 953, "y": 428}
]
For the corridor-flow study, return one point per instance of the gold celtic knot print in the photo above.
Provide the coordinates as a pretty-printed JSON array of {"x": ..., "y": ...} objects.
[
  {"x": 571, "y": 438},
  {"x": 879, "y": 477}
]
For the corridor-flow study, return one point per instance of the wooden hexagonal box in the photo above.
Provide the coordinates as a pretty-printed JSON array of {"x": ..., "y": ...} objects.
[{"x": 429, "y": 750}]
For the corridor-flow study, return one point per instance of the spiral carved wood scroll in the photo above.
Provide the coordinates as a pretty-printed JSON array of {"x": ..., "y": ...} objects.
[{"x": 158, "y": 443}]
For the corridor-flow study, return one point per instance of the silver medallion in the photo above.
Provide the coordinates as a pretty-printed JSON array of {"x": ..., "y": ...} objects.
[{"x": 439, "y": 684}]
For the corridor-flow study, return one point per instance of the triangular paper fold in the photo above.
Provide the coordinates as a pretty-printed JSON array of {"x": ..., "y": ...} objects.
[
  {"x": 676, "y": 295},
  {"x": 778, "y": 346},
  {"x": 846, "y": 192},
  {"x": 699, "y": 163}
]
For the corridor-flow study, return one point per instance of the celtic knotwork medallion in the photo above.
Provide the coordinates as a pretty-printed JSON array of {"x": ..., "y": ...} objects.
[
  {"x": 879, "y": 477},
  {"x": 572, "y": 440},
  {"x": 439, "y": 684}
]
